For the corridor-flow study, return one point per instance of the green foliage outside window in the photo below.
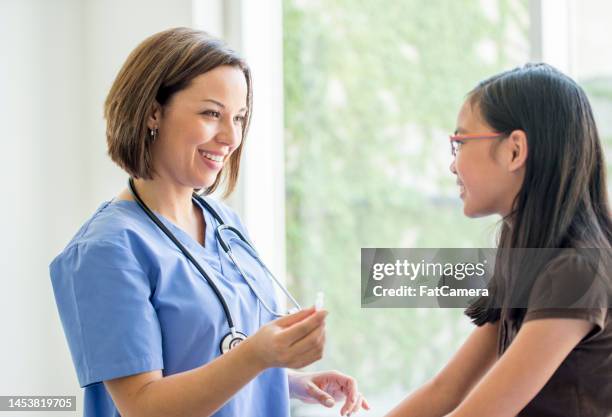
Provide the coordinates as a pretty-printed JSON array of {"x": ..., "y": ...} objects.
[{"x": 372, "y": 90}]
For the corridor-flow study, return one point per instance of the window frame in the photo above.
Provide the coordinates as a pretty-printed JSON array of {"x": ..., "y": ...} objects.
[{"x": 255, "y": 31}]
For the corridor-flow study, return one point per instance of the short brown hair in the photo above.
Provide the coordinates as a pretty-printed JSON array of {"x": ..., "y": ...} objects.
[{"x": 159, "y": 67}]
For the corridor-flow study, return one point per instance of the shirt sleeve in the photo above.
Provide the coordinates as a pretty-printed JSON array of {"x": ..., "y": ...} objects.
[
  {"x": 572, "y": 286},
  {"x": 103, "y": 299}
]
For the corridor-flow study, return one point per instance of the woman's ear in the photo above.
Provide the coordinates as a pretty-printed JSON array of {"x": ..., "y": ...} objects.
[
  {"x": 518, "y": 148},
  {"x": 154, "y": 116}
]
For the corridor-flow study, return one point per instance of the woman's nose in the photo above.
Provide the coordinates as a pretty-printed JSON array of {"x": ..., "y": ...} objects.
[{"x": 230, "y": 134}]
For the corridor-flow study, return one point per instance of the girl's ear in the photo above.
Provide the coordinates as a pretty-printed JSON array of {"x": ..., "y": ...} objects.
[
  {"x": 154, "y": 116},
  {"x": 518, "y": 148}
]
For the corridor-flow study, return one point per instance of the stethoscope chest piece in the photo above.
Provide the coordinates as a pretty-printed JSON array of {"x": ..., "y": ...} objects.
[{"x": 231, "y": 340}]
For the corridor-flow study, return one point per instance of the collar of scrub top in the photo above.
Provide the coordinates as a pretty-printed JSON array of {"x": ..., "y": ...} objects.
[{"x": 234, "y": 337}]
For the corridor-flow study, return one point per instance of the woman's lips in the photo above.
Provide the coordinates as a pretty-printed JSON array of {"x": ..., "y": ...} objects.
[{"x": 214, "y": 165}]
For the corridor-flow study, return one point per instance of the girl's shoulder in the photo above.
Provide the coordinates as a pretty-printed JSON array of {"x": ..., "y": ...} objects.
[{"x": 575, "y": 284}]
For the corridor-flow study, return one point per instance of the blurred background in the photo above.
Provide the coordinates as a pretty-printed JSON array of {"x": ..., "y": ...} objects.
[{"x": 354, "y": 100}]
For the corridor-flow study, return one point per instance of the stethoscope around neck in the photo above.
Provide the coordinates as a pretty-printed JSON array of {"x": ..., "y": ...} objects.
[{"x": 234, "y": 337}]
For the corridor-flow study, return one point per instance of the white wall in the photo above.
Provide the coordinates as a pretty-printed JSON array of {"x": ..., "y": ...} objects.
[
  {"x": 113, "y": 29},
  {"x": 57, "y": 61},
  {"x": 41, "y": 97}
]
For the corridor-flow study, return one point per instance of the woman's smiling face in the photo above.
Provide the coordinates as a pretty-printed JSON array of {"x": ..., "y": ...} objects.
[
  {"x": 200, "y": 127},
  {"x": 486, "y": 185}
]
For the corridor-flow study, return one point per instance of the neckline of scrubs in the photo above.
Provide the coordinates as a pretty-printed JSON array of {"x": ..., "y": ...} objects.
[{"x": 186, "y": 239}]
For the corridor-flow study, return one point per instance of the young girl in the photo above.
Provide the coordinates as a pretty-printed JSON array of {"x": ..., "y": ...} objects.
[{"x": 527, "y": 148}]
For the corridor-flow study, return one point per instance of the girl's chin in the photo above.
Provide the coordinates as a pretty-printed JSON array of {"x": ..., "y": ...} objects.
[
  {"x": 469, "y": 213},
  {"x": 468, "y": 208},
  {"x": 475, "y": 212}
]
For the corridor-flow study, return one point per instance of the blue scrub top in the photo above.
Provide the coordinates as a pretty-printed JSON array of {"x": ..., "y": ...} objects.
[{"x": 131, "y": 302}]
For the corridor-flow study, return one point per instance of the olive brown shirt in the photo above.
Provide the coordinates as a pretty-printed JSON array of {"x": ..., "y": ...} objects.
[{"x": 582, "y": 385}]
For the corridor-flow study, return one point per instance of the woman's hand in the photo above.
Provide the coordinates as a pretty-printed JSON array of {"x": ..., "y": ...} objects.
[
  {"x": 292, "y": 341},
  {"x": 326, "y": 388}
]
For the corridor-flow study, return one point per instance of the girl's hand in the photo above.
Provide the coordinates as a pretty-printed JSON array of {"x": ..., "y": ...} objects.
[
  {"x": 326, "y": 388},
  {"x": 292, "y": 341}
]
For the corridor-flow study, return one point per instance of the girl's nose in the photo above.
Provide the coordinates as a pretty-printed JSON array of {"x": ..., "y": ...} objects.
[{"x": 452, "y": 167}]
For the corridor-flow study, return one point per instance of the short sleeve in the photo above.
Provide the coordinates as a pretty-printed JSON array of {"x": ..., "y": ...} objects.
[
  {"x": 103, "y": 299},
  {"x": 597, "y": 316},
  {"x": 572, "y": 286}
]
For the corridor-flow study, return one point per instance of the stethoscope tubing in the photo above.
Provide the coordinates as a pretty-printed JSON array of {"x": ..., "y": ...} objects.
[
  {"x": 226, "y": 248},
  {"x": 158, "y": 222}
]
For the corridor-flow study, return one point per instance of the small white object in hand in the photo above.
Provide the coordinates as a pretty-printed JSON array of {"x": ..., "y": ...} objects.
[{"x": 319, "y": 300}]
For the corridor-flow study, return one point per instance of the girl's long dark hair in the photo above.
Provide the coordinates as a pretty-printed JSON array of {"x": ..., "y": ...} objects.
[{"x": 563, "y": 201}]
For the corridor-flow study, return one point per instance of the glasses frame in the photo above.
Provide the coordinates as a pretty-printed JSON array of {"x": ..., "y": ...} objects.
[{"x": 457, "y": 138}]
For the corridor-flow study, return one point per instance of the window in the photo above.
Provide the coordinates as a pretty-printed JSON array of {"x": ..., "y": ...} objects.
[
  {"x": 592, "y": 67},
  {"x": 370, "y": 95}
]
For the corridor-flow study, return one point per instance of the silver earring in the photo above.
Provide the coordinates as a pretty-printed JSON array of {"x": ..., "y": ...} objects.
[{"x": 153, "y": 133}]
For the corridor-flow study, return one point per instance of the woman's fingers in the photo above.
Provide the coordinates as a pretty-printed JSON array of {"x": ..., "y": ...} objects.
[
  {"x": 294, "y": 333},
  {"x": 356, "y": 405},
  {"x": 309, "y": 349},
  {"x": 350, "y": 390},
  {"x": 320, "y": 395},
  {"x": 315, "y": 340},
  {"x": 291, "y": 319},
  {"x": 366, "y": 404}
]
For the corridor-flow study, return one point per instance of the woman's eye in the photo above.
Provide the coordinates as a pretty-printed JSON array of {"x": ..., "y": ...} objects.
[
  {"x": 212, "y": 113},
  {"x": 240, "y": 119}
]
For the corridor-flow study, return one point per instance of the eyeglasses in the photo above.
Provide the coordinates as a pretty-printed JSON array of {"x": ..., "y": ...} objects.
[{"x": 457, "y": 140}]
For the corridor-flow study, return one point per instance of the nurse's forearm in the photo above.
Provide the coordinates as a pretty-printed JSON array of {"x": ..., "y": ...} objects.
[
  {"x": 201, "y": 391},
  {"x": 292, "y": 341}
]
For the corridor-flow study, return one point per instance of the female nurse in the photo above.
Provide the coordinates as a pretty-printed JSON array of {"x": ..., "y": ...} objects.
[{"x": 143, "y": 324}]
